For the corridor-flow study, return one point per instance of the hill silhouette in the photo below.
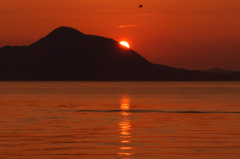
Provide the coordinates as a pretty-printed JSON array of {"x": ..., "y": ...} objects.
[
  {"x": 67, "y": 54},
  {"x": 219, "y": 70}
]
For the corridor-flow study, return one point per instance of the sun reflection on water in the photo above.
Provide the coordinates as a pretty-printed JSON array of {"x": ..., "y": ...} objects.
[{"x": 125, "y": 127}]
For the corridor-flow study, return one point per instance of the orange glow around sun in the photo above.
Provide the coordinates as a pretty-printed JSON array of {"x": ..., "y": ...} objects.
[{"x": 124, "y": 43}]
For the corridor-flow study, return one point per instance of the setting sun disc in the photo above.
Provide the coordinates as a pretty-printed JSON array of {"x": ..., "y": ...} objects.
[{"x": 124, "y": 43}]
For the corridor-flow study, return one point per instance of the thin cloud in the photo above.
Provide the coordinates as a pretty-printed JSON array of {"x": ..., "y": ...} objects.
[{"x": 127, "y": 26}]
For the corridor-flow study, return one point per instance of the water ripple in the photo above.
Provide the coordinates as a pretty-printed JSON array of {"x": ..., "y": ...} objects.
[{"x": 160, "y": 111}]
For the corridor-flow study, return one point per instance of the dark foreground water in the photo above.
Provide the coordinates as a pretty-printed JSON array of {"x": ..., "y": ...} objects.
[{"x": 123, "y": 120}]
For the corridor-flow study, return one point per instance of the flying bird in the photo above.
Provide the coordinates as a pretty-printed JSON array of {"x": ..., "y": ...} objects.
[{"x": 140, "y": 6}]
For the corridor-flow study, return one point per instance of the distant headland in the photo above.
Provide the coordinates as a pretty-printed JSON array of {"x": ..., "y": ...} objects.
[{"x": 66, "y": 54}]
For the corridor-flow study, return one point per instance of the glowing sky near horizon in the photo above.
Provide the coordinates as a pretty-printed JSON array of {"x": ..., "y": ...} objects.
[{"x": 194, "y": 34}]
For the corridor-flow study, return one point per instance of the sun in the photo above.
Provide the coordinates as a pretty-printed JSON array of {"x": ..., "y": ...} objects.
[{"x": 124, "y": 43}]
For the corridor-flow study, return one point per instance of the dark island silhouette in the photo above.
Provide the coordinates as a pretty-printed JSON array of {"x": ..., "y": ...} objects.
[{"x": 69, "y": 55}]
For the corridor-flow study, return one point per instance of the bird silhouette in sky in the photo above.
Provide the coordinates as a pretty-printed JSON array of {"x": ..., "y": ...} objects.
[{"x": 140, "y": 6}]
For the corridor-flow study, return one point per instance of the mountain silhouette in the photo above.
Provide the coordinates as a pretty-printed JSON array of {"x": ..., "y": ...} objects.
[
  {"x": 219, "y": 70},
  {"x": 67, "y": 54}
]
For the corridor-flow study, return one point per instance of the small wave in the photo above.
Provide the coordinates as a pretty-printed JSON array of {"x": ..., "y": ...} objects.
[{"x": 158, "y": 111}]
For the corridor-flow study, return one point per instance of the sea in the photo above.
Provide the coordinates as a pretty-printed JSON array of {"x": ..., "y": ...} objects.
[{"x": 119, "y": 120}]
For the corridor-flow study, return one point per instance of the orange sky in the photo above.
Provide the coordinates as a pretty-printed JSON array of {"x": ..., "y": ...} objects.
[{"x": 195, "y": 34}]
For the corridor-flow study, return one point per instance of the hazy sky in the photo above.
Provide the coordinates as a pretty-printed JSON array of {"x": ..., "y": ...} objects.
[{"x": 195, "y": 34}]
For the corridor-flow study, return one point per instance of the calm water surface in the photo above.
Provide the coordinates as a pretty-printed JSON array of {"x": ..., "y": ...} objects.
[{"x": 123, "y": 120}]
